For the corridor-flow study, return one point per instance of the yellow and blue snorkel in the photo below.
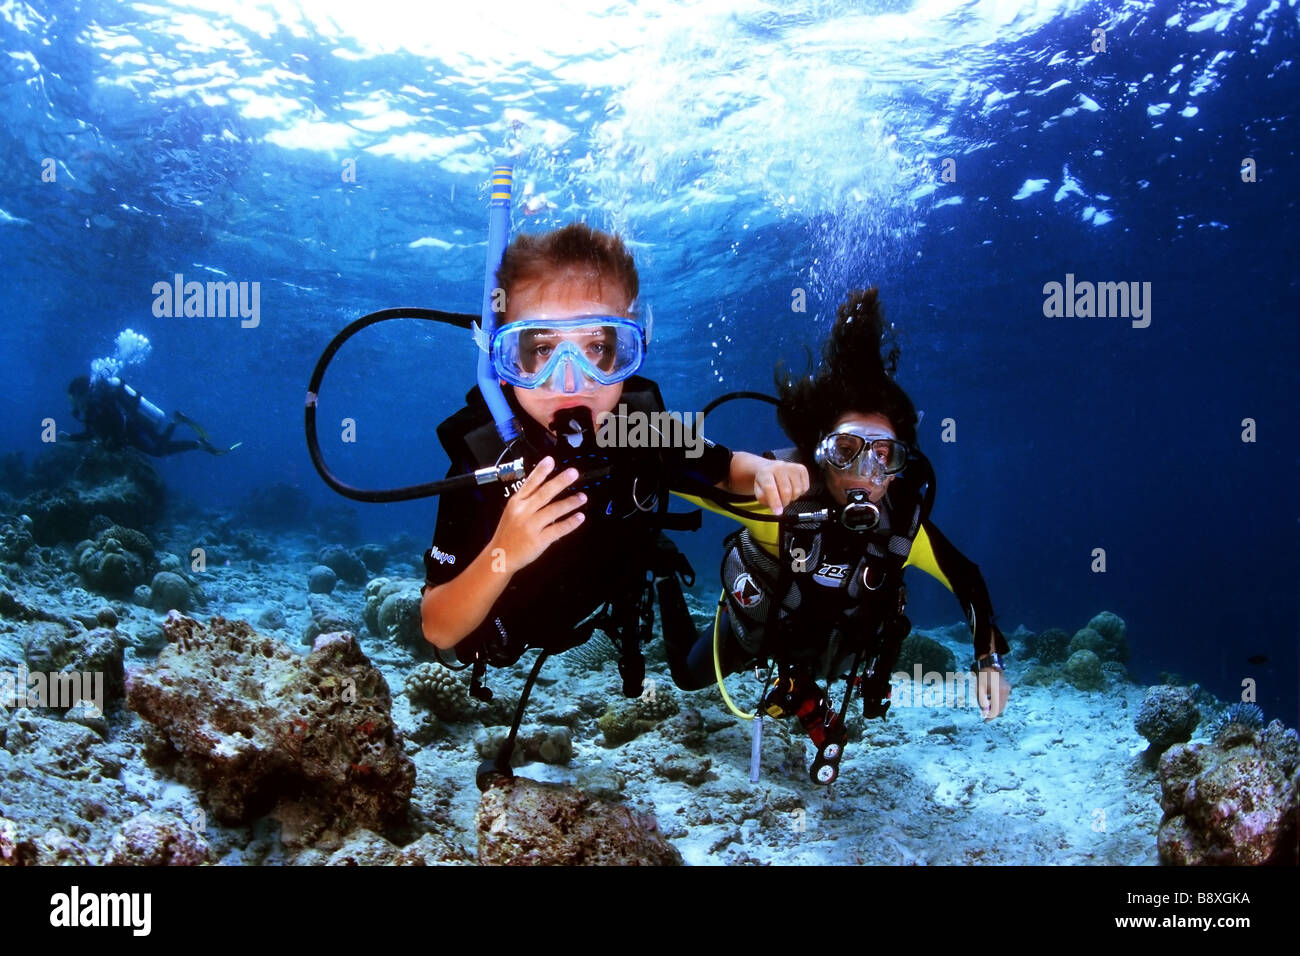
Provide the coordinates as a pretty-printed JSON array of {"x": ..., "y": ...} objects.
[{"x": 503, "y": 178}]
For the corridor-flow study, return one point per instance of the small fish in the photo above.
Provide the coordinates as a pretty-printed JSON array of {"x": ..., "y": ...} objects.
[{"x": 1257, "y": 659}]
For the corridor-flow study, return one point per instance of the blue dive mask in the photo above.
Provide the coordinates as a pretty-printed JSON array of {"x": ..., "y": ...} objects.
[{"x": 570, "y": 354}]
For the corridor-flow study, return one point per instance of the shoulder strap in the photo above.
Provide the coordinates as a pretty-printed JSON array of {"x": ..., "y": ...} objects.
[
  {"x": 911, "y": 501},
  {"x": 642, "y": 395},
  {"x": 471, "y": 434}
]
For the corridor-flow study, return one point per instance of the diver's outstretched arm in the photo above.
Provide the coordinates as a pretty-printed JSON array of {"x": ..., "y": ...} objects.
[{"x": 963, "y": 578}]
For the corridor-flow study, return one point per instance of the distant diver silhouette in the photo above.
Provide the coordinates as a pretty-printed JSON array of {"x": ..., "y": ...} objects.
[{"x": 118, "y": 416}]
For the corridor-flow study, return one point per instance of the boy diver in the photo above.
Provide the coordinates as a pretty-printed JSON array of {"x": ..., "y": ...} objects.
[
  {"x": 543, "y": 562},
  {"x": 821, "y": 592}
]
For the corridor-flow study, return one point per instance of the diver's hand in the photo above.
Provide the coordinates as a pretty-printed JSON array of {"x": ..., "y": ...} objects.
[
  {"x": 534, "y": 519},
  {"x": 777, "y": 483},
  {"x": 992, "y": 691}
]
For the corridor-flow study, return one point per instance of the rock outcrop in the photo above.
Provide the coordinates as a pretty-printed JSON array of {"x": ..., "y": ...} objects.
[
  {"x": 1235, "y": 802},
  {"x": 524, "y": 823},
  {"x": 262, "y": 729}
]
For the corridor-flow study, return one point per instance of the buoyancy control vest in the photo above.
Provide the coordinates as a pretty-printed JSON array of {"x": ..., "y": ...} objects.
[
  {"x": 830, "y": 595},
  {"x": 626, "y": 511}
]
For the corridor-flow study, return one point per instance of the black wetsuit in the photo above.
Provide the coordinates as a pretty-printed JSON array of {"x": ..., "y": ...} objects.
[{"x": 603, "y": 559}]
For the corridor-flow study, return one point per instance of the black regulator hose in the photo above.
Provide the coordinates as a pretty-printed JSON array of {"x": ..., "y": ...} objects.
[
  {"x": 718, "y": 497},
  {"x": 732, "y": 396},
  {"x": 509, "y": 471}
]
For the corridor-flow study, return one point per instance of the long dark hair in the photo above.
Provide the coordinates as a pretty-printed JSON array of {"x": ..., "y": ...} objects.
[{"x": 859, "y": 360}]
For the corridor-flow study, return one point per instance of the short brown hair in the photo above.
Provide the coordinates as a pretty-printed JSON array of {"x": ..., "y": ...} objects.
[{"x": 575, "y": 251}]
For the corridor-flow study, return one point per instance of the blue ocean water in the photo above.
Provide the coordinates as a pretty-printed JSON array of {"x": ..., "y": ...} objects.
[{"x": 338, "y": 155}]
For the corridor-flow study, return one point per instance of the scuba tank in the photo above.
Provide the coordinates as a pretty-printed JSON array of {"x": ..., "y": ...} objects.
[{"x": 139, "y": 404}]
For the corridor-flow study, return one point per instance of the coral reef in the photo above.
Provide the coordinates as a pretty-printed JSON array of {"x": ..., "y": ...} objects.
[
  {"x": 376, "y": 590},
  {"x": 272, "y": 619},
  {"x": 87, "y": 713},
  {"x": 104, "y": 617},
  {"x": 393, "y": 611},
  {"x": 51, "y": 648},
  {"x": 1114, "y": 635},
  {"x": 1114, "y": 670},
  {"x": 442, "y": 698},
  {"x": 366, "y": 848},
  {"x": 374, "y": 557},
  {"x": 1083, "y": 670},
  {"x": 12, "y": 607},
  {"x": 926, "y": 651},
  {"x": 524, "y": 823},
  {"x": 1168, "y": 716},
  {"x": 156, "y": 839},
  {"x": 1086, "y": 639},
  {"x": 1105, "y": 636},
  {"x": 16, "y": 538},
  {"x": 1233, "y": 803},
  {"x": 344, "y": 563},
  {"x": 77, "y": 487},
  {"x": 116, "y": 561},
  {"x": 656, "y": 704},
  {"x": 169, "y": 592},
  {"x": 327, "y": 617},
  {"x": 261, "y": 728},
  {"x": 626, "y": 721},
  {"x": 50, "y": 848},
  {"x": 1243, "y": 715},
  {"x": 439, "y": 690},
  {"x": 690, "y": 769},
  {"x": 399, "y": 620},
  {"x": 1048, "y": 647},
  {"x": 59, "y": 785},
  {"x": 552, "y": 745},
  {"x": 321, "y": 579},
  {"x": 254, "y": 546}
]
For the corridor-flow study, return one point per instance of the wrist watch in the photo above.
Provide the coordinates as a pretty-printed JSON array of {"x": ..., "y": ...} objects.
[{"x": 987, "y": 662}]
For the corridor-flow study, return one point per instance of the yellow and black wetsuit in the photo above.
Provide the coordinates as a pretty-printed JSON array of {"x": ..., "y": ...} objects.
[{"x": 822, "y": 598}]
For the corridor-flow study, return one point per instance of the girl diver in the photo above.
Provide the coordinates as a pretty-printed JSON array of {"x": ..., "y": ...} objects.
[{"x": 820, "y": 592}]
